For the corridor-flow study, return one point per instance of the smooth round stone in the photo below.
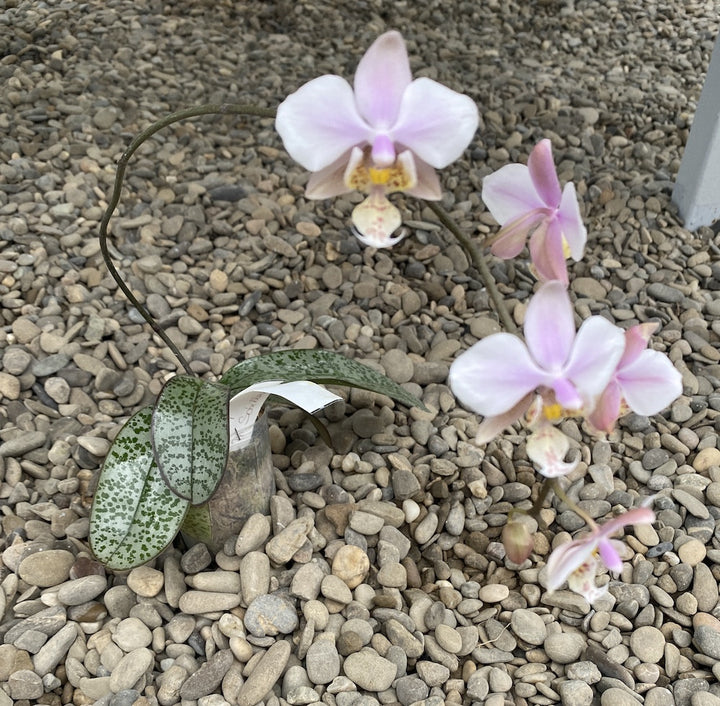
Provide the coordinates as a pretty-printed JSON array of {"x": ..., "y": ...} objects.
[
  {"x": 368, "y": 670},
  {"x": 647, "y": 644},
  {"x": 692, "y": 552},
  {"x": 24, "y": 684},
  {"x": 265, "y": 675},
  {"x": 46, "y": 568},
  {"x": 432, "y": 673},
  {"x": 252, "y": 536},
  {"x": 366, "y": 523},
  {"x": 194, "y": 602},
  {"x": 575, "y": 692},
  {"x": 351, "y": 564},
  {"x": 615, "y": 696},
  {"x": 271, "y": 614},
  {"x": 130, "y": 668},
  {"x": 448, "y": 638},
  {"x": 322, "y": 661},
  {"x": 707, "y": 640},
  {"x": 528, "y": 626},
  {"x": 493, "y": 593},
  {"x": 500, "y": 681},
  {"x": 392, "y": 575},
  {"x": 564, "y": 648},
  {"x": 81, "y": 590},
  {"x": 706, "y": 458},
  {"x": 146, "y": 581},
  {"x": 131, "y": 634}
]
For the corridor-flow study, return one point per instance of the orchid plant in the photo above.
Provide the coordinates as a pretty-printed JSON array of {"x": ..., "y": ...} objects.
[
  {"x": 169, "y": 458},
  {"x": 389, "y": 133}
]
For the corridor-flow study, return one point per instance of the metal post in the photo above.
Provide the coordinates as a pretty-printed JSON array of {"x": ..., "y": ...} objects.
[{"x": 697, "y": 188}]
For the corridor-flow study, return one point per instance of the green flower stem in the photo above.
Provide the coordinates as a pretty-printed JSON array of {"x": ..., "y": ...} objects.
[
  {"x": 537, "y": 506},
  {"x": 207, "y": 109},
  {"x": 479, "y": 261},
  {"x": 555, "y": 485}
]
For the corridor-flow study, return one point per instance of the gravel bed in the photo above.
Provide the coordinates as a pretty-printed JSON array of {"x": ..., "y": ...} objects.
[{"x": 377, "y": 576}]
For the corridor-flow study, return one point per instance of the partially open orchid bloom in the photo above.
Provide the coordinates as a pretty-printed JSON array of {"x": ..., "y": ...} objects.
[
  {"x": 645, "y": 381},
  {"x": 527, "y": 201},
  {"x": 576, "y": 562},
  {"x": 499, "y": 376},
  {"x": 386, "y": 133},
  {"x": 517, "y": 540}
]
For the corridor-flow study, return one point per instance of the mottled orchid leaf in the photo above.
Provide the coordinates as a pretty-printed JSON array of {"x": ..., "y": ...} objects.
[
  {"x": 134, "y": 515},
  {"x": 198, "y": 523},
  {"x": 190, "y": 436},
  {"x": 323, "y": 367}
]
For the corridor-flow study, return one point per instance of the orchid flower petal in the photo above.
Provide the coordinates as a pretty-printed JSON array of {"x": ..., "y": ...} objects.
[
  {"x": 550, "y": 326},
  {"x": 510, "y": 241},
  {"x": 636, "y": 341},
  {"x": 435, "y": 122},
  {"x": 381, "y": 78},
  {"x": 609, "y": 556},
  {"x": 547, "y": 447},
  {"x": 428, "y": 185},
  {"x": 566, "y": 559},
  {"x": 509, "y": 193},
  {"x": 573, "y": 228},
  {"x": 329, "y": 181},
  {"x": 607, "y": 408},
  {"x": 493, "y": 375},
  {"x": 641, "y": 515},
  {"x": 650, "y": 383},
  {"x": 543, "y": 174},
  {"x": 320, "y": 122},
  {"x": 492, "y": 426},
  {"x": 594, "y": 357},
  {"x": 375, "y": 219},
  {"x": 547, "y": 252}
]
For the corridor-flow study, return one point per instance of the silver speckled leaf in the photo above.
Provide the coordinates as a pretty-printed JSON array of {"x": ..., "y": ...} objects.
[
  {"x": 323, "y": 367},
  {"x": 134, "y": 515},
  {"x": 190, "y": 436}
]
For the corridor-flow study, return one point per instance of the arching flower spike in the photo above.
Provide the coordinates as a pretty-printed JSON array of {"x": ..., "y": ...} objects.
[
  {"x": 386, "y": 133},
  {"x": 527, "y": 201}
]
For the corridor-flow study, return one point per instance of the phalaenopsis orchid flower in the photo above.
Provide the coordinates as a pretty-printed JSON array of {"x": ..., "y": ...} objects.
[
  {"x": 645, "y": 381},
  {"x": 577, "y": 562},
  {"x": 527, "y": 201},
  {"x": 501, "y": 376},
  {"x": 385, "y": 133}
]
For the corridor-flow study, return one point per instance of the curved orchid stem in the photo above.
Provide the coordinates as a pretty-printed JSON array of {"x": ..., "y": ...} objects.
[
  {"x": 537, "y": 506},
  {"x": 207, "y": 109},
  {"x": 553, "y": 482},
  {"x": 479, "y": 261}
]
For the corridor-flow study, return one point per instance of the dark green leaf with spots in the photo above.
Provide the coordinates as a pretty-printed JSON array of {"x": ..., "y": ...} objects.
[
  {"x": 198, "y": 524},
  {"x": 324, "y": 367},
  {"x": 190, "y": 436},
  {"x": 134, "y": 515}
]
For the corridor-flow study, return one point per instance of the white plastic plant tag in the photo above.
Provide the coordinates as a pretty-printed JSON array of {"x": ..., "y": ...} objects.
[{"x": 245, "y": 406}]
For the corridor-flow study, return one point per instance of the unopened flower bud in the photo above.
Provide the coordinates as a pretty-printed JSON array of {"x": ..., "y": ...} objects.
[{"x": 517, "y": 541}]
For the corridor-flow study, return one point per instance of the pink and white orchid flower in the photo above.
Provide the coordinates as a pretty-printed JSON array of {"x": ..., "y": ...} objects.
[
  {"x": 386, "y": 133},
  {"x": 499, "y": 376},
  {"x": 527, "y": 200},
  {"x": 645, "y": 381},
  {"x": 576, "y": 562}
]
